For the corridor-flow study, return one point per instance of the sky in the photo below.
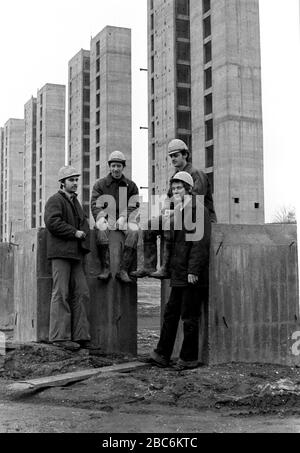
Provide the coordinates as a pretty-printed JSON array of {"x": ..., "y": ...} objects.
[{"x": 39, "y": 37}]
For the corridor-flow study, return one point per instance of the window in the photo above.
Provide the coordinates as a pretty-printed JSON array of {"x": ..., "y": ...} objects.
[
  {"x": 152, "y": 85},
  {"x": 208, "y": 78},
  {"x": 86, "y": 145},
  {"x": 97, "y": 100},
  {"x": 208, "y": 104},
  {"x": 207, "y": 27},
  {"x": 97, "y": 154},
  {"x": 236, "y": 200},
  {"x": 86, "y": 163},
  {"x": 153, "y": 174},
  {"x": 86, "y": 128},
  {"x": 207, "y": 52},
  {"x": 211, "y": 181},
  {"x": 183, "y": 73},
  {"x": 86, "y": 178},
  {"x": 86, "y": 64},
  {"x": 256, "y": 205},
  {"x": 86, "y": 95},
  {"x": 98, "y": 65},
  {"x": 184, "y": 97},
  {"x": 206, "y": 6},
  {"x": 97, "y": 135},
  {"x": 97, "y": 118},
  {"x": 152, "y": 21},
  {"x": 209, "y": 157},
  {"x": 209, "y": 130},
  {"x": 152, "y": 43},
  {"x": 152, "y": 65},
  {"x": 153, "y": 151},
  {"x": 152, "y": 108},
  {"x": 86, "y": 112},
  {"x": 183, "y": 28},
  {"x": 86, "y": 79},
  {"x": 98, "y": 48},
  {"x": 184, "y": 120},
  {"x": 86, "y": 194},
  {"x": 183, "y": 51},
  {"x": 153, "y": 129},
  {"x": 98, "y": 83},
  {"x": 183, "y": 7},
  {"x": 97, "y": 171}
]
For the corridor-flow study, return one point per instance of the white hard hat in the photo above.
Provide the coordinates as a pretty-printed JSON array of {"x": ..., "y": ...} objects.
[
  {"x": 117, "y": 156},
  {"x": 184, "y": 177},
  {"x": 177, "y": 145},
  {"x": 67, "y": 172}
]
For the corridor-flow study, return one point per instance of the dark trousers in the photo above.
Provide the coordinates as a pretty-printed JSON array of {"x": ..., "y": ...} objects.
[
  {"x": 184, "y": 303},
  {"x": 70, "y": 293}
]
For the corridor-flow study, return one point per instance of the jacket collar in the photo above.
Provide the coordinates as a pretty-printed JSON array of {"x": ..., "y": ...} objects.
[
  {"x": 109, "y": 180},
  {"x": 68, "y": 197}
]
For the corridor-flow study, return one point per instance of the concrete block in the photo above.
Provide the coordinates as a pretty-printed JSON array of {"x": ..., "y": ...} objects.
[
  {"x": 6, "y": 287},
  {"x": 112, "y": 311},
  {"x": 254, "y": 294}
]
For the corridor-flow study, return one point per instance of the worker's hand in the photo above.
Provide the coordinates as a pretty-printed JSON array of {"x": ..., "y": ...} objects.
[
  {"x": 120, "y": 223},
  {"x": 80, "y": 235},
  {"x": 193, "y": 279},
  {"x": 102, "y": 224}
]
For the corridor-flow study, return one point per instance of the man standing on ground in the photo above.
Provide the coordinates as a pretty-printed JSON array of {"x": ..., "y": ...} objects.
[
  {"x": 179, "y": 155},
  {"x": 189, "y": 263},
  {"x": 114, "y": 204},
  {"x": 67, "y": 244}
]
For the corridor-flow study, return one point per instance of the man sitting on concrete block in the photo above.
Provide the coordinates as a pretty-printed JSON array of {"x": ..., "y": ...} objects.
[
  {"x": 114, "y": 205},
  {"x": 67, "y": 244}
]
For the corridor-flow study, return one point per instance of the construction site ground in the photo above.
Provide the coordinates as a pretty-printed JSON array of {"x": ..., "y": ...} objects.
[{"x": 223, "y": 398}]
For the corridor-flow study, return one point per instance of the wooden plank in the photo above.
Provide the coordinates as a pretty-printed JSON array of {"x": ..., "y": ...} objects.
[{"x": 77, "y": 376}]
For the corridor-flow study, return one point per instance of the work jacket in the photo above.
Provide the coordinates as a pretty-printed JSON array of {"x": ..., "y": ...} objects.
[
  {"x": 63, "y": 218},
  {"x": 190, "y": 256},
  {"x": 111, "y": 187},
  {"x": 202, "y": 186}
]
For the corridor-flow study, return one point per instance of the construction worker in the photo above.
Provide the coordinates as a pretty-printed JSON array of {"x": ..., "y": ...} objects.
[
  {"x": 189, "y": 264},
  {"x": 114, "y": 204},
  {"x": 67, "y": 244},
  {"x": 179, "y": 155}
]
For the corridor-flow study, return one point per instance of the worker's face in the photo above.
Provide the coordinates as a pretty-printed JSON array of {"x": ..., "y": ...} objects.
[
  {"x": 178, "y": 160},
  {"x": 71, "y": 184},
  {"x": 116, "y": 169},
  {"x": 178, "y": 191}
]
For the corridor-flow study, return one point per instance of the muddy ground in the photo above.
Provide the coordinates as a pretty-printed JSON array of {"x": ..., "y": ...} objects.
[{"x": 227, "y": 398}]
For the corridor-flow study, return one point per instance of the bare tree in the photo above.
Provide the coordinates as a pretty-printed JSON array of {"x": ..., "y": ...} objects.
[{"x": 285, "y": 215}]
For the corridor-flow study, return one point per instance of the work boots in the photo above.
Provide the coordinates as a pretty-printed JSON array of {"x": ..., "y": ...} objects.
[
  {"x": 104, "y": 256},
  {"x": 150, "y": 260},
  {"x": 164, "y": 271},
  {"x": 126, "y": 260}
]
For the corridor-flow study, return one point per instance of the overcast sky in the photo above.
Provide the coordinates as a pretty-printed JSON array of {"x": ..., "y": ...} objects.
[{"x": 38, "y": 37}]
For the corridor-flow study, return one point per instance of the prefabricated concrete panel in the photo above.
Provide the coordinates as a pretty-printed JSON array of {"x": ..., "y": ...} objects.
[
  {"x": 6, "y": 287},
  {"x": 254, "y": 294}
]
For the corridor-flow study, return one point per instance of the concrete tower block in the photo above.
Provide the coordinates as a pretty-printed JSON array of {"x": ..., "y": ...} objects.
[{"x": 6, "y": 287}]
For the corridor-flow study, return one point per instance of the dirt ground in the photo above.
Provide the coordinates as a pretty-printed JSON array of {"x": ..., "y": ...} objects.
[{"x": 225, "y": 398}]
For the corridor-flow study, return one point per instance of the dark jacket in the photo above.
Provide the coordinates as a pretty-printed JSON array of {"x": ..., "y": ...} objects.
[
  {"x": 110, "y": 186},
  {"x": 62, "y": 219},
  {"x": 202, "y": 186},
  {"x": 190, "y": 257}
]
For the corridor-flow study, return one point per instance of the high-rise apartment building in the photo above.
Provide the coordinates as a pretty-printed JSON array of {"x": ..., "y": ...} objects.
[
  {"x": 79, "y": 122},
  {"x": 110, "y": 99},
  {"x": 1, "y": 180},
  {"x": 205, "y": 88},
  {"x": 30, "y": 118},
  {"x": 50, "y": 144},
  {"x": 99, "y": 107},
  {"x": 12, "y": 178}
]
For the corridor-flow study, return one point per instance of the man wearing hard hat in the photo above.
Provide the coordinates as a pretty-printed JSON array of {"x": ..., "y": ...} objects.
[
  {"x": 114, "y": 204},
  {"x": 67, "y": 244},
  {"x": 189, "y": 264},
  {"x": 179, "y": 155}
]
